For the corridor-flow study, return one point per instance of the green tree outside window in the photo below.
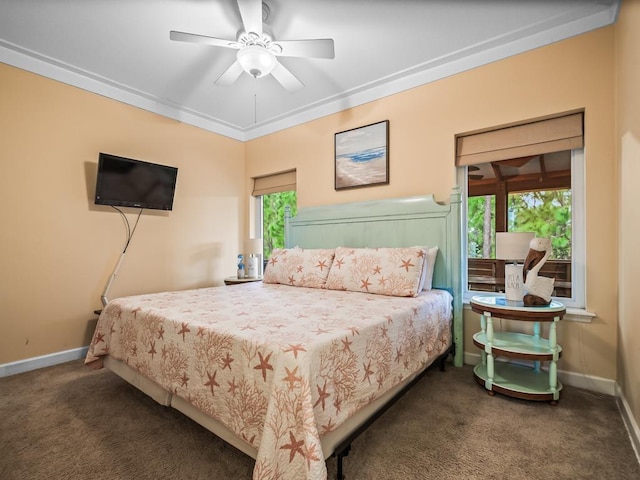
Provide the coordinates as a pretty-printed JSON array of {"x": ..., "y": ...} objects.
[
  {"x": 273, "y": 206},
  {"x": 547, "y": 213}
]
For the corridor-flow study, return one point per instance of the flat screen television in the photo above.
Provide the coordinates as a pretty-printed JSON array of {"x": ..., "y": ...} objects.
[{"x": 125, "y": 182}]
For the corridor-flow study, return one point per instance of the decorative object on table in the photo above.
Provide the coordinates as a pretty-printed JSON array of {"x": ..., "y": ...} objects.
[
  {"x": 240, "y": 266},
  {"x": 512, "y": 247},
  {"x": 253, "y": 249},
  {"x": 538, "y": 289},
  {"x": 362, "y": 156}
]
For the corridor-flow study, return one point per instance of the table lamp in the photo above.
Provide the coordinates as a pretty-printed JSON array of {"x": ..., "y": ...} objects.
[
  {"x": 253, "y": 248},
  {"x": 513, "y": 247}
]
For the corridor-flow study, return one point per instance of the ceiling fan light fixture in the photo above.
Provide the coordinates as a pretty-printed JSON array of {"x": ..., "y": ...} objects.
[{"x": 257, "y": 61}]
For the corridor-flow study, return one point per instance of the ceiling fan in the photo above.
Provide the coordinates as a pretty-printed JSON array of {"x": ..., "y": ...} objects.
[{"x": 258, "y": 48}]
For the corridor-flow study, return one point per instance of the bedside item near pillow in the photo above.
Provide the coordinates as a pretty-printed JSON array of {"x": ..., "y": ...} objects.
[
  {"x": 240, "y": 266},
  {"x": 430, "y": 265},
  {"x": 538, "y": 290},
  {"x": 513, "y": 246}
]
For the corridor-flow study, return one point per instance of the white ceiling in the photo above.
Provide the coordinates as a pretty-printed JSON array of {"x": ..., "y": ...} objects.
[{"x": 121, "y": 49}]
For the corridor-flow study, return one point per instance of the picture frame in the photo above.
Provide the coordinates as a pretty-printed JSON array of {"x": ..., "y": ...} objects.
[{"x": 361, "y": 156}]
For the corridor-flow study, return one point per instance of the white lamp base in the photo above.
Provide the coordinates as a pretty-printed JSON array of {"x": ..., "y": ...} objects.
[{"x": 513, "y": 285}]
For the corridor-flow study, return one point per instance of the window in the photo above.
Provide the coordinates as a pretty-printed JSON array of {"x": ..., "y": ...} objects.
[
  {"x": 530, "y": 194},
  {"x": 273, "y": 208},
  {"x": 520, "y": 179},
  {"x": 272, "y": 194}
]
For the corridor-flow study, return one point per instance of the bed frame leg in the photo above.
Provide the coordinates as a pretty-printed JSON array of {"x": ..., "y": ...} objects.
[
  {"x": 339, "y": 457},
  {"x": 443, "y": 358}
]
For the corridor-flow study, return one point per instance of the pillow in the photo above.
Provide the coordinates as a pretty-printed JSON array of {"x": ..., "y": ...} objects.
[
  {"x": 384, "y": 271},
  {"x": 430, "y": 264},
  {"x": 299, "y": 267}
]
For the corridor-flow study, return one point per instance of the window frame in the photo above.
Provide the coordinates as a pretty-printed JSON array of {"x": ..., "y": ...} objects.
[{"x": 578, "y": 238}]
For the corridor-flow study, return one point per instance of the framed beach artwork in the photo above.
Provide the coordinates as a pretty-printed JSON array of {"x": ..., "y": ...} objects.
[{"x": 362, "y": 156}]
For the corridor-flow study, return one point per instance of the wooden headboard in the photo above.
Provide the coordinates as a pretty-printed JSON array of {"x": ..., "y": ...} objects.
[{"x": 399, "y": 222}]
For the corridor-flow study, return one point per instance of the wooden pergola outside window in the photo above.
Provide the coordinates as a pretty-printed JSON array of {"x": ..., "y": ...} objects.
[{"x": 530, "y": 157}]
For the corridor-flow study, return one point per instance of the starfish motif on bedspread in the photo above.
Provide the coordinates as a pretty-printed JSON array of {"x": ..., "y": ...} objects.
[
  {"x": 212, "y": 382},
  {"x": 291, "y": 377},
  {"x": 398, "y": 355},
  {"x": 226, "y": 362},
  {"x": 295, "y": 446},
  {"x": 184, "y": 379},
  {"x": 337, "y": 403},
  {"x": 161, "y": 333},
  {"x": 232, "y": 386},
  {"x": 322, "y": 264},
  {"x": 328, "y": 427},
  {"x": 367, "y": 372},
  {"x": 264, "y": 365},
  {"x": 365, "y": 284},
  {"x": 295, "y": 349},
  {"x": 184, "y": 330},
  {"x": 347, "y": 344},
  {"x": 322, "y": 395},
  {"x": 153, "y": 350},
  {"x": 99, "y": 338},
  {"x": 310, "y": 454}
]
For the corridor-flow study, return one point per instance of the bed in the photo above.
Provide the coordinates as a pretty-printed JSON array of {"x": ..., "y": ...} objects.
[{"x": 287, "y": 371}]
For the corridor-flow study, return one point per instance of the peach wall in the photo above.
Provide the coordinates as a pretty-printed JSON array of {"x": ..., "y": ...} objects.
[
  {"x": 628, "y": 136},
  {"x": 58, "y": 249},
  {"x": 573, "y": 74}
]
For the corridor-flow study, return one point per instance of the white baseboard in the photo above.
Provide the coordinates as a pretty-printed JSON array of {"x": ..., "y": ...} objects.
[
  {"x": 22, "y": 366},
  {"x": 629, "y": 421},
  {"x": 588, "y": 382}
]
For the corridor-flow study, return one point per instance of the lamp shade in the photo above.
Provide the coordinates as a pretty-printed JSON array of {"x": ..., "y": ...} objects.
[
  {"x": 513, "y": 245},
  {"x": 253, "y": 245},
  {"x": 257, "y": 61}
]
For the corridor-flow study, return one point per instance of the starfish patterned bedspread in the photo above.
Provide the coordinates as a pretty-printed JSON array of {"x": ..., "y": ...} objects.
[{"x": 278, "y": 365}]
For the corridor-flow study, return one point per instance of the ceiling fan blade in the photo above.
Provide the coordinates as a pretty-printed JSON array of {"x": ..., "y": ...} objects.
[
  {"x": 251, "y": 13},
  {"x": 195, "y": 38},
  {"x": 230, "y": 75},
  {"x": 286, "y": 78},
  {"x": 318, "y": 48}
]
